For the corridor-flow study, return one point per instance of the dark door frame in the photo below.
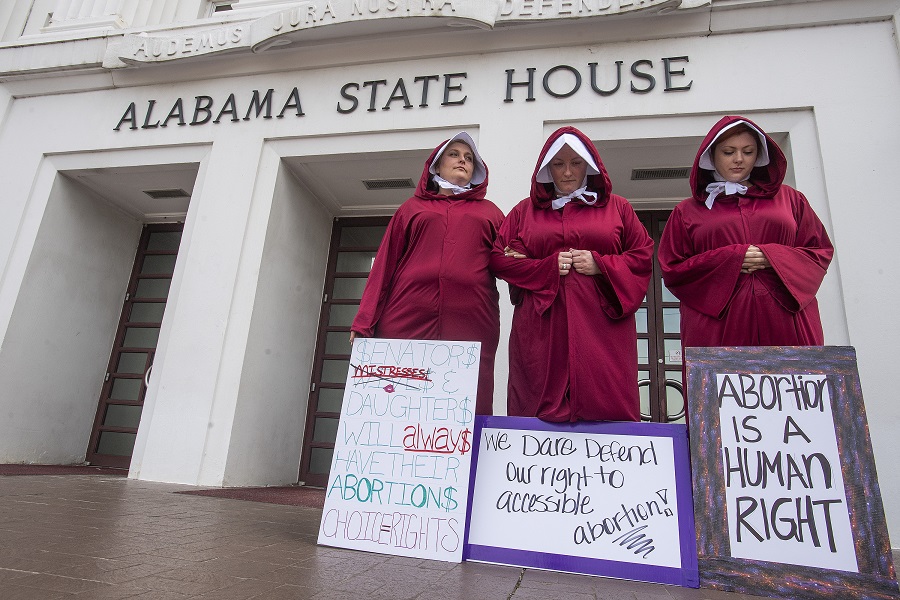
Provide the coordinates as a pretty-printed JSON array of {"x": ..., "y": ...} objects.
[{"x": 93, "y": 455}]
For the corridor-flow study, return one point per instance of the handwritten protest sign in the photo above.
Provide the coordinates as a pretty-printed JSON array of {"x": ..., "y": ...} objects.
[
  {"x": 783, "y": 479},
  {"x": 596, "y": 498},
  {"x": 785, "y": 489},
  {"x": 400, "y": 471}
]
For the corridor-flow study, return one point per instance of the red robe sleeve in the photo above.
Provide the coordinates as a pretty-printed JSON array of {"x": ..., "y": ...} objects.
[
  {"x": 624, "y": 277},
  {"x": 802, "y": 266},
  {"x": 540, "y": 276},
  {"x": 374, "y": 297},
  {"x": 704, "y": 281}
]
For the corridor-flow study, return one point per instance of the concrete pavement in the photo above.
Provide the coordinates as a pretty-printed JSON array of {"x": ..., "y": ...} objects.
[{"x": 105, "y": 537}]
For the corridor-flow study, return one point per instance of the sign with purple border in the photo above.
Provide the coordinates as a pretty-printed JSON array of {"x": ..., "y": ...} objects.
[
  {"x": 786, "y": 493},
  {"x": 610, "y": 499}
]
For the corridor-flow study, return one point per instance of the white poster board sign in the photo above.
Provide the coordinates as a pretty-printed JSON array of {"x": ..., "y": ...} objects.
[
  {"x": 783, "y": 480},
  {"x": 608, "y": 499},
  {"x": 400, "y": 472}
]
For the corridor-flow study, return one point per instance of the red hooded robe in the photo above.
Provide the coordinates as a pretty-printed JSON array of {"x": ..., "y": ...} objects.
[
  {"x": 573, "y": 345},
  {"x": 430, "y": 278},
  {"x": 702, "y": 249}
]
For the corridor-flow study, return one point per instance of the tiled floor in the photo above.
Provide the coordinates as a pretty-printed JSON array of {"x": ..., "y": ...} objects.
[{"x": 103, "y": 537}]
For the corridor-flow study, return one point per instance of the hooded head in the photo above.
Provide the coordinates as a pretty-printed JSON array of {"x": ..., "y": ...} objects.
[
  {"x": 428, "y": 189},
  {"x": 543, "y": 190},
  {"x": 768, "y": 170}
]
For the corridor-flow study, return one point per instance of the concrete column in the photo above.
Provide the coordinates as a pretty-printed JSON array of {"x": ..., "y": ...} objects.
[
  {"x": 86, "y": 8},
  {"x": 190, "y": 404},
  {"x": 108, "y": 7},
  {"x": 63, "y": 9},
  {"x": 262, "y": 4},
  {"x": 164, "y": 11},
  {"x": 72, "y": 15}
]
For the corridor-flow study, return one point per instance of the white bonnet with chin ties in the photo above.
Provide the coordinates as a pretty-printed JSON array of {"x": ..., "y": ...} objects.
[
  {"x": 573, "y": 142},
  {"x": 762, "y": 158},
  {"x": 479, "y": 174}
]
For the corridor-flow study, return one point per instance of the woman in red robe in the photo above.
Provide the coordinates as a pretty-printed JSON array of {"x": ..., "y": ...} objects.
[
  {"x": 746, "y": 253},
  {"x": 578, "y": 262},
  {"x": 430, "y": 277}
]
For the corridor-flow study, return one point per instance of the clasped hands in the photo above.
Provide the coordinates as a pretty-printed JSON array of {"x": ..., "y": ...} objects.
[
  {"x": 754, "y": 260},
  {"x": 580, "y": 261}
]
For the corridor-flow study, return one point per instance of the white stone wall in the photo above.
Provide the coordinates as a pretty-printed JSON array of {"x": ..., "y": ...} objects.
[
  {"x": 276, "y": 368},
  {"x": 62, "y": 324}
]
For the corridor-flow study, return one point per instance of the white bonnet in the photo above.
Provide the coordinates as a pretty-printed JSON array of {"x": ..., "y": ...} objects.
[
  {"x": 762, "y": 158},
  {"x": 573, "y": 142},
  {"x": 480, "y": 171}
]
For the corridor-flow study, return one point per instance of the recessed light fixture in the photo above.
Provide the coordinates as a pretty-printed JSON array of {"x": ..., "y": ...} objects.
[
  {"x": 388, "y": 184},
  {"x": 654, "y": 173},
  {"x": 170, "y": 193}
]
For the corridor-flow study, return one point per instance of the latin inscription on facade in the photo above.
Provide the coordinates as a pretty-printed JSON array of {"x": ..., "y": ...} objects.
[
  {"x": 513, "y": 10},
  {"x": 286, "y": 26}
]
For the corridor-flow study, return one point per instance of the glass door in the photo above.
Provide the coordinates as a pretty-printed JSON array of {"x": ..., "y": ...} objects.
[
  {"x": 354, "y": 243},
  {"x": 659, "y": 340},
  {"x": 130, "y": 365}
]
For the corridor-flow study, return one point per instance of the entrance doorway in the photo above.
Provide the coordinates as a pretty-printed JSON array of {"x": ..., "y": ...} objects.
[
  {"x": 354, "y": 243},
  {"x": 131, "y": 361},
  {"x": 659, "y": 340}
]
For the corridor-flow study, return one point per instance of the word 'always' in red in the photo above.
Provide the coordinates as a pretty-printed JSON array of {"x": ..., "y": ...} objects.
[{"x": 437, "y": 440}]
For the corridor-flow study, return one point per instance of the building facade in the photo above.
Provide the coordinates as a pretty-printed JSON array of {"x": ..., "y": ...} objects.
[{"x": 193, "y": 191}]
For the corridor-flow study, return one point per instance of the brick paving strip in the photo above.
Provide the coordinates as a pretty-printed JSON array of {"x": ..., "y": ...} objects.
[
  {"x": 60, "y": 470},
  {"x": 102, "y": 536},
  {"x": 287, "y": 495}
]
